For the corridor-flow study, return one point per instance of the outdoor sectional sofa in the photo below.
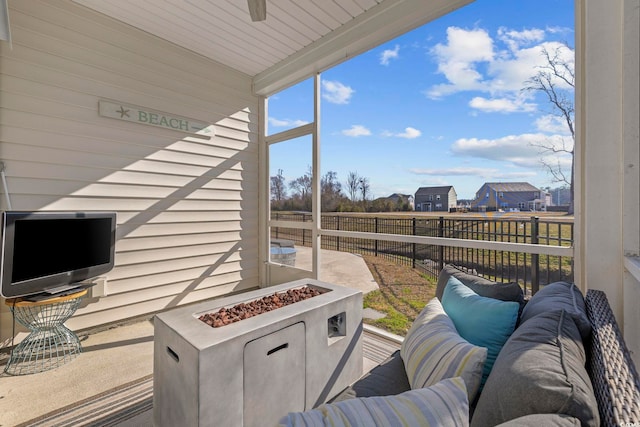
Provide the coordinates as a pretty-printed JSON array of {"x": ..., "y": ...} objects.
[{"x": 559, "y": 361}]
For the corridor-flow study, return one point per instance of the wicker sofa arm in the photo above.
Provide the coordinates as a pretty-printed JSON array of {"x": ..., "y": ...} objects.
[{"x": 614, "y": 377}]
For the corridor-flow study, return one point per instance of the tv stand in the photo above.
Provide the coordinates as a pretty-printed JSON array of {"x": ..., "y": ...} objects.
[
  {"x": 60, "y": 292},
  {"x": 57, "y": 290},
  {"x": 50, "y": 344}
]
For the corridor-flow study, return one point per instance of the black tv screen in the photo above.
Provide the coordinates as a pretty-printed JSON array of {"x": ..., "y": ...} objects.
[{"x": 46, "y": 251}]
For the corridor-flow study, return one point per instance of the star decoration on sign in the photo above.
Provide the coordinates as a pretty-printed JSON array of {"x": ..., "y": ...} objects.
[{"x": 123, "y": 112}]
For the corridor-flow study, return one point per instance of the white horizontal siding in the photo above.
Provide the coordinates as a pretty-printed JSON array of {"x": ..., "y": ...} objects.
[
  {"x": 187, "y": 205},
  {"x": 141, "y": 302},
  {"x": 176, "y": 241}
]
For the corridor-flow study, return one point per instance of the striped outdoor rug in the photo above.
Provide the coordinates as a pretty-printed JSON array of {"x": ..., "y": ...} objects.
[
  {"x": 105, "y": 409},
  {"x": 118, "y": 405},
  {"x": 377, "y": 348}
]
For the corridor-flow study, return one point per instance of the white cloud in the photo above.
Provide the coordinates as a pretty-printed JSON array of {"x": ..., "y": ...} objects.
[
  {"x": 559, "y": 30},
  {"x": 389, "y": 54},
  {"x": 510, "y": 71},
  {"x": 471, "y": 60},
  {"x": 501, "y": 105},
  {"x": 457, "y": 171},
  {"x": 484, "y": 173},
  {"x": 409, "y": 133},
  {"x": 356, "y": 130},
  {"x": 514, "y": 39},
  {"x": 518, "y": 150},
  {"x": 458, "y": 58},
  {"x": 552, "y": 124},
  {"x": 336, "y": 93},
  {"x": 286, "y": 122}
]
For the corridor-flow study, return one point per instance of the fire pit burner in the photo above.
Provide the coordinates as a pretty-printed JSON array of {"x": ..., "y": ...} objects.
[{"x": 241, "y": 311}]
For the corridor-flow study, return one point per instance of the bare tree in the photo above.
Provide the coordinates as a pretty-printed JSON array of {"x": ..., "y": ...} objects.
[
  {"x": 278, "y": 188},
  {"x": 329, "y": 183},
  {"x": 364, "y": 188},
  {"x": 331, "y": 191},
  {"x": 353, "y": 185},
  {"x": 556, "y": 79},
  {"x": 301, "y": 188}
]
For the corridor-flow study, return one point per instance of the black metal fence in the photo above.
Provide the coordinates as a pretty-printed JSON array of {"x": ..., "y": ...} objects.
[{"x": 530, "y": 270}]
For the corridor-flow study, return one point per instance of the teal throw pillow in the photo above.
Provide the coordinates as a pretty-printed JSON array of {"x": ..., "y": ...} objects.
[{"x": 485, "y": 322}]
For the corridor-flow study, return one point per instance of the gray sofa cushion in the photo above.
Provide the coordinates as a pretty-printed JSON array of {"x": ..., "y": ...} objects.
[
  {"x": 451, "y": 270},
  {"x": 559, "y": 296},
  {"x": 386, "y": 379},
  {"x": 540, "y": 370},
  {"x": 480, "y": 285},
  {"x": 543, "y": 420}
]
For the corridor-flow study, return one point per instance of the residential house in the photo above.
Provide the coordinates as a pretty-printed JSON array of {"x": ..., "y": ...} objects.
[
  {"x": 193, "y": 205},
  {"x": 436, "y": 199},
  {"x": 509, "y": 196},
  {"x": 402, "y": 199}
]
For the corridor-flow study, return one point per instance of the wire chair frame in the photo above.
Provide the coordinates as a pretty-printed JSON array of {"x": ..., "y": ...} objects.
[{"x": 50, "y": 344}]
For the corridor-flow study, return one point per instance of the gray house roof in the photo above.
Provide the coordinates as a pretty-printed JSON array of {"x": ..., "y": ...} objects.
[
  {"x": 422, "y": 191},
  {"x": 511, "y": 186},
  {"x": 510, "y": 194}
]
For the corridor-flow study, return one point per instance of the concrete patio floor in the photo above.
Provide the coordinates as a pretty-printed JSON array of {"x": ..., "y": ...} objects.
[
  {"x": 122, "y": 354},
  {"x": 340, "y": 268}
]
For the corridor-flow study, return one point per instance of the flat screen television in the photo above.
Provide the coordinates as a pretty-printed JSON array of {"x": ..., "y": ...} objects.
[{"x": 49, "y": 252}]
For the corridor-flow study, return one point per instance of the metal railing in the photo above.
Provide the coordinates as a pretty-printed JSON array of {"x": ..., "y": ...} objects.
[{"x": 531, "y": 270}]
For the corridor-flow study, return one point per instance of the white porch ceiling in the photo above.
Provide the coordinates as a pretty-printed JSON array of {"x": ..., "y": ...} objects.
[{"x": 298, "y": 38}]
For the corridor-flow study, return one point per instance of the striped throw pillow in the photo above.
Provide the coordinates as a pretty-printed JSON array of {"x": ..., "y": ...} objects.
[
  {"x": 443, "y": 404},
  {"x": 433, "y": 350}
]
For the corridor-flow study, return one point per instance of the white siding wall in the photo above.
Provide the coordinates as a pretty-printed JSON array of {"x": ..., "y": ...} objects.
[
  {"x": 453, "y": 199},
  {"x": 607, "y": 172},
  {"x": 187, "y": 208},
  {"x": 631, "y": 157}
]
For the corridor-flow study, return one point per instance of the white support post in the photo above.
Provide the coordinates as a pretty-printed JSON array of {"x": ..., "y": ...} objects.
[
  {"x": 316, "y": 201},
  {"x": 264, "y": 207}
]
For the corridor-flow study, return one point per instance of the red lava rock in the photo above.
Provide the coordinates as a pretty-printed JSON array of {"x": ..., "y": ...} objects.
[{"x": 241, "y": 311}]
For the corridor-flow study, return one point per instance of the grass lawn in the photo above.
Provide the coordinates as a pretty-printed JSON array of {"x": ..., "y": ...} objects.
[{"x": 402, "y": 295}]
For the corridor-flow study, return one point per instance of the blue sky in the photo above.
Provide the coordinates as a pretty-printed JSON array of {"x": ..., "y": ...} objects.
[{"x": 440, "y": 105}]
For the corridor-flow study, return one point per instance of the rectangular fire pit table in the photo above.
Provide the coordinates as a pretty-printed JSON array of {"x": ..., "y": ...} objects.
[{"x": 254, "y": 371}]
